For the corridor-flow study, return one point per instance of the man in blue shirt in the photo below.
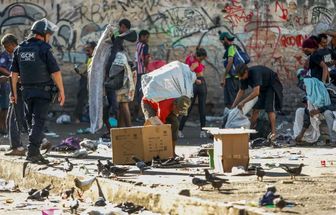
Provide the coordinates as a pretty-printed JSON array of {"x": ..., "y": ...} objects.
[
  {"x": 5, "y": 62},
  {"x": 9, "y": 42}
]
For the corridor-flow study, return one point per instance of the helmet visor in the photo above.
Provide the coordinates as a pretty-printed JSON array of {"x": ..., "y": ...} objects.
[{"x": 50, "y": 27}]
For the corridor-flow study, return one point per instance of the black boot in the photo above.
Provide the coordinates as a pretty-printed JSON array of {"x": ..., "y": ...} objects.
[{"x": 38, "y": 159}]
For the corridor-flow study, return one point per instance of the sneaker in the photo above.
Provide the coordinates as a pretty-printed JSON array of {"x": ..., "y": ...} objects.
[
  {"x": 203, "y": 134},
  {"x": 38, "y": 159},
  {"x": 180, "y": 134},
  {"x": 16, "y": 152}
]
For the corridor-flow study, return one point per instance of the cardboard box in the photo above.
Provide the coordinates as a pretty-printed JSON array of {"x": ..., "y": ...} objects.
[
  {"x": 231, "y": 148},
  {"x": 144, "y": 142}
]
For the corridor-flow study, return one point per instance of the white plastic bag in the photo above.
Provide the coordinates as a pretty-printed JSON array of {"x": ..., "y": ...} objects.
[
  {"x": 170, "y": 81},
  {"x": 236, "y": 119}
]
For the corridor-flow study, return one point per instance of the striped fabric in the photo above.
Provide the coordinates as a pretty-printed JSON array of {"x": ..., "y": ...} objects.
[{"x": 140, "y": 57}]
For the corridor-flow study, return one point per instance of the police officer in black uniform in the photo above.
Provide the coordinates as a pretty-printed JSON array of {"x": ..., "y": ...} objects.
[{"x": 39, "y": 72}]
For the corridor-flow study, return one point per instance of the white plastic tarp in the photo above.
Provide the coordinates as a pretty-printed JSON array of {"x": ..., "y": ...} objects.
[
  {"x": 96, "y": 79},
  {"x": 170, "y": 81}
]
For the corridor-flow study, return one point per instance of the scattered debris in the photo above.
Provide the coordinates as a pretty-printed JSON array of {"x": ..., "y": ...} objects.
[
  {"x": 63, "y": 119},
  {"x": 83, "y": 131},
  {"x": 81, "y": 153},
  {"x": 8, "y": 186},
  {"x": 184, "y": 192},
  {"x": 69, "y": 144},
  {"x": 51, "y": 134},
  {"x": 130, "y": 208}
]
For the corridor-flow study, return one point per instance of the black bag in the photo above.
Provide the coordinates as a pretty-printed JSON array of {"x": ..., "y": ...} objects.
[{"x": 115, "y": 81}]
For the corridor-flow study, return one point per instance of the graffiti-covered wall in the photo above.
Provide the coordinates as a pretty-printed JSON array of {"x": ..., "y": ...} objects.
[{"x": 271, "y": 31}]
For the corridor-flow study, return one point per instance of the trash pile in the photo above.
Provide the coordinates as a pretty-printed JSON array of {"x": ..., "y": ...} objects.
[{"x": 81, "y": 148}]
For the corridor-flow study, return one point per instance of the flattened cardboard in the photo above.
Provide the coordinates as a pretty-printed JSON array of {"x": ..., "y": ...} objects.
[{"x": 144, "y": 142}]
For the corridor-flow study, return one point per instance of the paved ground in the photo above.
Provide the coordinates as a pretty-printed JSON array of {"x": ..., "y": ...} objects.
[{"x": 314, "y": 191}]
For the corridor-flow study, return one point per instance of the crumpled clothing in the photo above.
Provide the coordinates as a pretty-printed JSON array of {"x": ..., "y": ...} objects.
[
  {"x": 317, "y": 93},
  {"x": 69, "y": 144}
]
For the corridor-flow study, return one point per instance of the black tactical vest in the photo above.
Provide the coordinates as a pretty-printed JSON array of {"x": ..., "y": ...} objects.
[{"x": 33, "y": 70}]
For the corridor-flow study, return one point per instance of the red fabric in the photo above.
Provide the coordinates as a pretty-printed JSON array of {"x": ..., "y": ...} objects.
[
  {"x": 192, "y": 59},
  {"x": 162, "y": 108},
  {"x": 153, "y": 65}
]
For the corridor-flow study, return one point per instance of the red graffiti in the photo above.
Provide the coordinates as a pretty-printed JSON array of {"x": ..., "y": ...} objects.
[
  {"x": 265, "y": 37},
  {"x": 293, "y": 40},
  {"x": 281, "y": 7},
  {"x": 235, "y": 13}
]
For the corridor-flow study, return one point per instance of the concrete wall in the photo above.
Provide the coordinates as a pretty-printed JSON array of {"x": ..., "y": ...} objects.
[{"x": 271, "y": 31}]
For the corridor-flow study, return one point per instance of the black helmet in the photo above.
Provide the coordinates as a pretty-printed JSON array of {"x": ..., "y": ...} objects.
[{"x": 43, "y": 26}]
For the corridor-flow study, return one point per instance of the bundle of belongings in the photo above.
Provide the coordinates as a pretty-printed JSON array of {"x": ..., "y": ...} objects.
[{"x": 170, "y": 81}]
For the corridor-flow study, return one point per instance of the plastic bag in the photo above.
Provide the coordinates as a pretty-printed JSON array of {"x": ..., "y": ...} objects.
[
  {"x": 235, "y": 118},
  {"x": 170, "y": 81}
]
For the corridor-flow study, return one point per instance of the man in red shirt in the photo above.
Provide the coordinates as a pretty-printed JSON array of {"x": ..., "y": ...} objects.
[{"x": 167, "y": 110}]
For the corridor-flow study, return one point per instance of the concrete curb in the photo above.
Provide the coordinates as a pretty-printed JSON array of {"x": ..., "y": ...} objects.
[{"x": 153, "y": 199}]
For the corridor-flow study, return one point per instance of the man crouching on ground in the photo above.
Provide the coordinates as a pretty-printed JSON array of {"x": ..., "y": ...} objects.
[
  {"x": 167, "y": 111},
  {"x": 266, "y": 86}
]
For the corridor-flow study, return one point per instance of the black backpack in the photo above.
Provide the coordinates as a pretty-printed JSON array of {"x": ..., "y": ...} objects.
[{"x": 115, "y": 80}]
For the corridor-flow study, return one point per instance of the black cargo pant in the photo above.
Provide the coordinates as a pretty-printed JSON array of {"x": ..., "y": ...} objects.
[
  {"x": 200, "y": 91},
  {"x": 36, "y": 113}
]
